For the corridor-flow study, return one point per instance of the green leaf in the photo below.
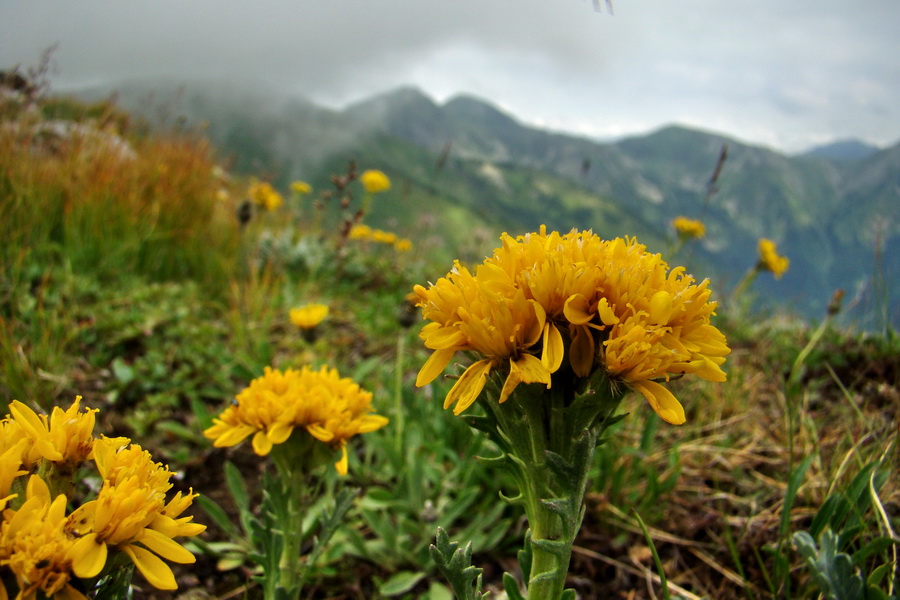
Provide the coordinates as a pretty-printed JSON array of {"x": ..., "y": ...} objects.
[
  {"x": 557, "y": 547},
  {"x": 221, "y": 519},
  {"x": 794, "y": 481},
  {"x": 122, "y": 371},
  {"x": 438, "y": 591},
  {"x": 524, "y": 557},
  {"x": 455, "y": 564},
  {"x": 826, "y": 512},
  {"x": 656, "y": 561},
  {"x": 400, "y": 583},
  {"x": 512, "y": 587},
  {"x": 832, "y": 571},
  {"x": 237, "y": 487}
]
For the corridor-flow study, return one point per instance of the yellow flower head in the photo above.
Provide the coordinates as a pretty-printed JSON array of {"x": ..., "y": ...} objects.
[
  {"x": 384, "y": 237},
  {"x": 375, "y": 181},
  {"x": 301, "y": 188},
  {"x": 330, "y": 408},
  {"x": 65, "y": 437},
  {"x": 542, "y": 297},
  {"x": 689, "y": 228},
  {"x": 360, "y": 232},
  {"x": 265, "y": 195},
  {"x": 309, "y": 316},
  {"x": 402, "y": 245},
  {"x": 35, "y": 546},
  {"x": 770, "y": 260},
  {"x": 130, "y": 514}
]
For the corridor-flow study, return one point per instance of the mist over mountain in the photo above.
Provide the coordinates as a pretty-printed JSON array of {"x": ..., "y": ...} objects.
[{"x": 466, "y": 165}]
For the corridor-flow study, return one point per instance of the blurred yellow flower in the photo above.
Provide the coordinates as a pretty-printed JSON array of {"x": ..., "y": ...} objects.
[
  {"x": 403, "y": 245},
  {"x": 383, "y": 237},
  {"x": 309, "y": 316},
  {"x": 375, "y": 181},
  {"x": 329, "y": 408},
  {"x": 542, "y": 297},
  {"x": 264, "y": 195},
  {"x": 360, "y": 232},
  {"x": 689, "y": 228},
  {"x": 770, "y": 260},
  {"x": 301, "y": 187},
  {"x": 67, "y": 436}
]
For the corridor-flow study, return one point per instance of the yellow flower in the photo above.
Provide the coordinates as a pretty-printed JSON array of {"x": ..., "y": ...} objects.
[
  {"x": 309, "y": 316},
  {"x": 375, "y": 181},
  {"x": 468, "y": 315},
  {"x": 689, "y": 228},
  {"x": 360, "y": 232},
  {"x": 403, "y": 245},
  {"x": 615, "y": 307},
  {"x": 11, "y": 434},
  {"x": 130, "y": 514},
  {"x": 770, "y": 260},
  {"x": 36, "y": 548},
  {"x": 66, "y": 437},
  {"x": 384, "y": 237},
  {"x": 265, "y": 195},
  {"x": 301, "y": 187},
  {"x": 330, "y": 408}
]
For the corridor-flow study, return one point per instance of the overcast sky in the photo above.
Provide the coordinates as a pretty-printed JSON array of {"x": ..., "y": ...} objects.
[{"x": 784, "y": 73}]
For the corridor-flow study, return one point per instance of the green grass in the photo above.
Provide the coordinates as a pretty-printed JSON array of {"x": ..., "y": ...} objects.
[{"x": 133, "y": 284}]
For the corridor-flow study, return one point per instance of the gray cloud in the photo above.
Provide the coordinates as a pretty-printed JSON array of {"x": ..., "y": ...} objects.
[{"x": 782, "y": 73}]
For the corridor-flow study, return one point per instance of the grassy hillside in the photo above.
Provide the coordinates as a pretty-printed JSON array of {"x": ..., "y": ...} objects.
[{"x": 142, "y": 273}]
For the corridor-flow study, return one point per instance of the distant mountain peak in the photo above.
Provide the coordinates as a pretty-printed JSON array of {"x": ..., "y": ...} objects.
[{"x": 850, "y": 149}]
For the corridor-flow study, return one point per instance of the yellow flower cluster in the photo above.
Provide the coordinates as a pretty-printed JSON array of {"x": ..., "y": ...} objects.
[
  {"x": 601, "y": 304},
  {"x": 264, "y": 195},
  {"x": 308, "y": 316},
  {"x": 770, "y": 260},
  {"x": 375, "y": 181},
  {"x": 329, "y": 408},
  {"x": 301, "y": 188},
  {"x": 689, "y": 228},
  {"x": 366, "y": 233},
  {"x": 43, "y": 549}
]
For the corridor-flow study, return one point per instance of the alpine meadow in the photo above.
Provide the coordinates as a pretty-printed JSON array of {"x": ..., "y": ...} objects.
[{"x": 256, "y": 348}]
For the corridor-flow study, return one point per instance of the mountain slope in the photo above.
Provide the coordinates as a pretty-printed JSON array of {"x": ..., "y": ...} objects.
[{"x": 467, "y": 167}]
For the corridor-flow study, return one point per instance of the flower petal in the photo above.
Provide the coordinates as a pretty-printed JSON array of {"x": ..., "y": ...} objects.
[
  {"x": 280, "y": 432},
  {"x": 341, "y": 465},
  {"x": 661, "y": 308},
  {"x": 88, "y": 556},
  {"x": 262, "y": 445},
  {"x": 154, "y": 570},
  {"x": 434, "y": 366},
  {"x": 468, "y": 386},
  {"x": 607, "y": 316},
  {"x": 166, "y": 547},
  {"x": 661, "y": 400},
  {"x": 554, "y": 349},
  {"x": 577, "y": 309},
  {"x": 581, "y": 351}
]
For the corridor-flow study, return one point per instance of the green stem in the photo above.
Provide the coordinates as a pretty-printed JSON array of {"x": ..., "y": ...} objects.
[
  {"x": 398, "y": 394},
  {"x": 290, "y": 567}
]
